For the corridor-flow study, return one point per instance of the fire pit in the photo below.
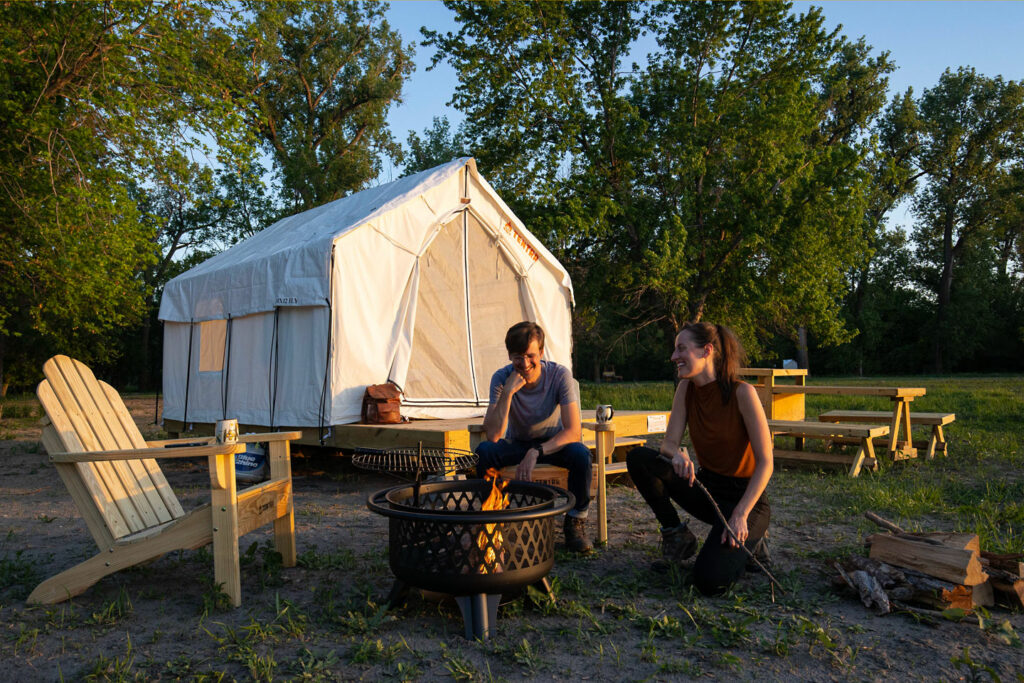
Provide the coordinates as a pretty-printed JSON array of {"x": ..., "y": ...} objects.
[{"x": 444, "y": 539}]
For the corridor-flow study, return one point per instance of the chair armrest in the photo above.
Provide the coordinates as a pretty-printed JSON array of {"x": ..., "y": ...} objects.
[
  {"x": 140, "y": 453},
  {"x": 163, "y": 443},
  {"x": 269, "y": 436},
  {"x": 242, "y": 438}
]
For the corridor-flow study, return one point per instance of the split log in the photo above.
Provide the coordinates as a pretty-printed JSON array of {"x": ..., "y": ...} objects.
[
  {"x": 907, "y": 585},
  {"x": 956, "y": 565},
  {"x": 888, "y": 575},
  {"x": 1011, "y": 563},
  {"x": 1010, "y": 593},
  {"x": 983, "y": 595},
  {"x": 952, "y": 539},
  {"x": 867, "y": 587}
]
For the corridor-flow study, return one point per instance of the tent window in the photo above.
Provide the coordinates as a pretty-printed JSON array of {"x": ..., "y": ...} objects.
[{"x": 212, "y": 335}]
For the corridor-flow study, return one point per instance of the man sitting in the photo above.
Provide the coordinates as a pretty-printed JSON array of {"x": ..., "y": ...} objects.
[{"x": 534, "y": 417}]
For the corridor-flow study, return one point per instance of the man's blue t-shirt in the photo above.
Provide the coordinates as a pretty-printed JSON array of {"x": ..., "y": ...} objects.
[{"x": 535, "y": 413}]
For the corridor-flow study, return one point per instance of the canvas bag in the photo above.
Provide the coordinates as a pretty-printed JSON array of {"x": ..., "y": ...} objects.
[{"x": 382, "y": 404}]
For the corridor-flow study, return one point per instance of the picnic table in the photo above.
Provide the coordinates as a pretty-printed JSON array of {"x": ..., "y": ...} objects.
[{"x": 901, "y": 445}]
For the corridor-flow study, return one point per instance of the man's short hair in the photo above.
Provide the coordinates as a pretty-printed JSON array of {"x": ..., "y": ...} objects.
[{"x": 519, "y": 336}]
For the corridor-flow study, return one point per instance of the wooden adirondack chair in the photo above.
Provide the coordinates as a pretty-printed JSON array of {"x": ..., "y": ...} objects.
[{"x": 122, "y": 494}]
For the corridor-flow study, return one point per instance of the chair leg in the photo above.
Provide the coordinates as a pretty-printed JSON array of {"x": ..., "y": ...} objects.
[
  {"x": 224, "y": 501},
  {"x": 192, "y": 531},
  {"x": 78, "y": 579},
  {"x": 284, "y": 526}
]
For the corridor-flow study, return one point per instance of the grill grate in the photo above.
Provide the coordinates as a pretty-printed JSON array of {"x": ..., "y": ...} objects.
[{"x": 412, "y": 460}]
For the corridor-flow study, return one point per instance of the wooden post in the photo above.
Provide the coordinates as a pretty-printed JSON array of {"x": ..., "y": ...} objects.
[
  {"x": 284, "y": 526},
  {"x": 605, "y": 434},
  {"x": 224, "y": 502}
]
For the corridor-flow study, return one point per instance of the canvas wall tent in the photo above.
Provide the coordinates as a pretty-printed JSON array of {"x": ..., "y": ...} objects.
[{"x": 415, "y": 281}]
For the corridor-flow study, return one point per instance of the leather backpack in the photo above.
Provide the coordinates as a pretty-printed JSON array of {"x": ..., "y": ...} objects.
[{"x": 382, "y": 404}]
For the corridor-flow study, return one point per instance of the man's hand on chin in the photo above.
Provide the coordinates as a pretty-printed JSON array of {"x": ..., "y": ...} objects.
[{"x": 514, "y": 383}]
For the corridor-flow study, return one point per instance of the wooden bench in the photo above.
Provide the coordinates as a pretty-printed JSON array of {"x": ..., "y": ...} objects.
[
  {"x": 935, "y": 443},
  {"x": 829, "y": 431}
]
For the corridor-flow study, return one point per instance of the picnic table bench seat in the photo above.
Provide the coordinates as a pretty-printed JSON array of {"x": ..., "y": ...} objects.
[
  {"x": 936, "y": 441},
  {"x": 830, "y": 431}
]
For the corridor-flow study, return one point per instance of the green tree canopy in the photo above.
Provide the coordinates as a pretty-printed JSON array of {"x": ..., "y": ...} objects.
[
  {"x": 971, "y": 152},
  {"x": 322, "y": 76},
  {"x": 723, "y": 180},
  {"x": 94, "y": 94}
]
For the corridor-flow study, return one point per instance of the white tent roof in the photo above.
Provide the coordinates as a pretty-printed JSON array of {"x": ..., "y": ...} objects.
[{"x": 289, "y": 263}]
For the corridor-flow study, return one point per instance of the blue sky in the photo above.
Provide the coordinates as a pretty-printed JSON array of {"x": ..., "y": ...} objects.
[{"x": 923, "y": 38}]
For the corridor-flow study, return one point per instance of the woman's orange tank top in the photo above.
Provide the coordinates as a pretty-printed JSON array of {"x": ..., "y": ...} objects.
[{"x": 717, "y": 431}]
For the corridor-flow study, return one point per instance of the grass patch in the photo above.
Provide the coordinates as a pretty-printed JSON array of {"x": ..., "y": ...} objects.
[{"x": 18, "y": 574}]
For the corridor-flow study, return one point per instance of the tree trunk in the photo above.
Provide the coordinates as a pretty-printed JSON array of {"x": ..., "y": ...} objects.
[
  {"x": 802, "y": 357},
  {"x": 145, "y": 375},
  {"x": 945, "y": 289},
  {"x": 3, "y": 349}
]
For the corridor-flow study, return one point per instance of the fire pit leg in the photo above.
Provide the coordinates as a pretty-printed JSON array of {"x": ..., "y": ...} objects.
[
  {"x": 398, "y": 595},
  {"x": 479, "y": 613},
  {"x": 544, "y": 586}
]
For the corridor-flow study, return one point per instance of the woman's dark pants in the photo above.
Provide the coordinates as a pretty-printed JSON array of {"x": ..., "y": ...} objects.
[{"x": 718, "y": 565}]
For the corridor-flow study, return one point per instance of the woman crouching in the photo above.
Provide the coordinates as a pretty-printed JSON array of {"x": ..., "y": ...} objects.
[{"x": 733, "y": 445}]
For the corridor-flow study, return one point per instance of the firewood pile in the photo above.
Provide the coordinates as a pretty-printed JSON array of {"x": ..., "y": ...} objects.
[{"x": 932, "y": 571}]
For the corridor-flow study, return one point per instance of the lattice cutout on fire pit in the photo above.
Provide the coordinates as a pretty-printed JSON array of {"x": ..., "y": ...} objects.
[
  {"x": 449, "y": 547},
  {"x": 435, "y": 548}
]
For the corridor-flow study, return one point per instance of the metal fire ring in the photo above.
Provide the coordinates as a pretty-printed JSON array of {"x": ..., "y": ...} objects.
[{"x": 384, "y": 503}]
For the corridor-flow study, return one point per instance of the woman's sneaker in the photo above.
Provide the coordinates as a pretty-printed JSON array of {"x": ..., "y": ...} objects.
[{"x": 677, "y": 546}]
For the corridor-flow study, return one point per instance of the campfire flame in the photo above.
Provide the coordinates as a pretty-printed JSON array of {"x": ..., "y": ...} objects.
[{"x": 497, "y": 500}]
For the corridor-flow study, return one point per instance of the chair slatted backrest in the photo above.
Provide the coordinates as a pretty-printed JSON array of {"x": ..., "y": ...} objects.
[{"x": 88, "y": 415}]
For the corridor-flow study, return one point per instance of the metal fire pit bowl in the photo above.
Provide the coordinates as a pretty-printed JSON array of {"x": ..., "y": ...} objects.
[{"x": 442, "y": 541}]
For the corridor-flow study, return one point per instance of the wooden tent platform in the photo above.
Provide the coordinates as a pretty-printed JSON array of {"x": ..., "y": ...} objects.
[{"x": 432, "y": 433}]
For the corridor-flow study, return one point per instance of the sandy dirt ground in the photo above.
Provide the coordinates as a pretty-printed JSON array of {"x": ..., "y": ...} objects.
[{"x": 322, "y": 620}]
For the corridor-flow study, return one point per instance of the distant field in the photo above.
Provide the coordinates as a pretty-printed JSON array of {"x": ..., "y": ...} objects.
[{"x": 978, "y": 487}]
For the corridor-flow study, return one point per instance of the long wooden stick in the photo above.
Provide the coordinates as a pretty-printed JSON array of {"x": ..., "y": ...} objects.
[{"x": 729, "y": 530}]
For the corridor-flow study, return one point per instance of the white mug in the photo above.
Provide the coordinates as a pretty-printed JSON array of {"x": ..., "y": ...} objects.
[
  {"x": 605, "y": 414},
  {"x": 226, "y": 431}
]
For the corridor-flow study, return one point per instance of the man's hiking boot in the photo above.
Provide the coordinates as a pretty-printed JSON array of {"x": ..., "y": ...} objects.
[
  {"x": 760, "y": 552},
  {"x": 575, "y": 530},
  {"x": 677, "y": 546}
]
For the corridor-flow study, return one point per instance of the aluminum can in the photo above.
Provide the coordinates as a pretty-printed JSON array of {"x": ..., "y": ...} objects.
[{"x": 226, "y": 431}]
